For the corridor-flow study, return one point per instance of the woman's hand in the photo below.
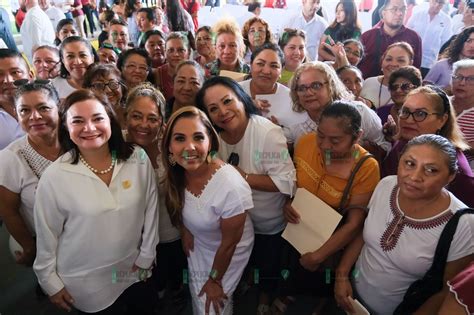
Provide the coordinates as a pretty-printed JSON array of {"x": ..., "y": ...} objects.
[
  {"x": 263, "y": 105},
  {"x": 290, "y": 213},
  {"x": 62, "y": 300},
  {"x": 390, "y": 129},
  {"x": 187, "y": 239},
  {"x": 142, "y": 273},
  {"x": 214, "y": 295},
  {"x": 26, "y": 257},
  {"x": 309, "y": 261},
  {"x": 342, "y": 292}
]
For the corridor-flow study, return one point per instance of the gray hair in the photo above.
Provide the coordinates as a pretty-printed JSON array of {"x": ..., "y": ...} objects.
[
  {"x": 147, "y": 90},
  {"x": 463, "y": 64}
]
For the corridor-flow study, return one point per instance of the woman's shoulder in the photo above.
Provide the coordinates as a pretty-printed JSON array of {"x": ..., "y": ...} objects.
[
  {"x": 15, "y": 146},
  {"x": 262, "y": 124},
  {"x": 228, "y": 179}
]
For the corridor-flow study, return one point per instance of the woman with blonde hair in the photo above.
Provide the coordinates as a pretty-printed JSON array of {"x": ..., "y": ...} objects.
[{"x": 230, "y": 49}]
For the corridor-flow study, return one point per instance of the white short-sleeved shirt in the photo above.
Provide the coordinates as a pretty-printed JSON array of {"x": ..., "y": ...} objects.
[
  {"x": 55, "y": 15},
  {"x": 376, "y": 92},
  {"x": 370, "y": 124},
  {"x": 434, "y": 33},
  {"x": 63, "y": 87},
  {"x": 386, "y": 269},
  {"x": 263, "y": 150},
  {"x": 17, "y": 176},
  {"x": 225, "y": 195},
  {"x": 11, "y": 129},
  {"x": 89, "y": 235},
  {"x": 314, "y": 31},
  {"x": 36, "y": 30},
  {"x": 281, "y": 107}
]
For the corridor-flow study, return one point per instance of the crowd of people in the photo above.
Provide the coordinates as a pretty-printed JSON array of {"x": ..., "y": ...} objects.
[{"x": 162, "y": 163}]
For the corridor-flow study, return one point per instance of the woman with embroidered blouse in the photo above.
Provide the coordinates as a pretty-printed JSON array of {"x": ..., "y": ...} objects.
[
  {"x": 24, "y": 161},
  {"x": 407, "y": 213},
  {"x": 208, "y": 201},
  {"x": 325, "y": 160}
]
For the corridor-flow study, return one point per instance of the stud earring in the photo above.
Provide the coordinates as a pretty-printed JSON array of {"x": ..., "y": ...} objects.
[{"x": 171, "y": 160}]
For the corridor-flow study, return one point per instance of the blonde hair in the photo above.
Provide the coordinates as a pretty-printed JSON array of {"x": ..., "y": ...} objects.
[
  {"x": 174, "y": 181},
  {"x": 442, "y": 104},
  {"x": 337, "y": 89},
  {"x": 229, "y": 26}
]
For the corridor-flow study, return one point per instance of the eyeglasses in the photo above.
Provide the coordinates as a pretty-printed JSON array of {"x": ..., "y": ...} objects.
[
  {"x": 418, "y": 115},
  {"x": 406, "y": 87},
  {"x": 459, "y": 78},
  {"x": 397, "y": 9},
  {"x": 315, "y": 87},
  {"x": 34, "y": 83},
  {"x": 100, "y": 86}
]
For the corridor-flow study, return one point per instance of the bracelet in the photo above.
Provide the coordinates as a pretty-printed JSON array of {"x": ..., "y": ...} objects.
[{"x": 246, "y": 177}]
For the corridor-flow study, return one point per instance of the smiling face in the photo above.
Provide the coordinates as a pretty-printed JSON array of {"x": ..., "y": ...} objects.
[
  {"x": 294, "y": 52},
  {"x": 395, "y": 58},
  {"x": 409, "y": 128},
  {"x": 88, "y": 125},
  {"x": 398, "y": 91},
  {"x": 187, "y": 83},
  {"x": 423, "y": 172},
  {"x": 46, "y": 63},
  {"x": 135, "y": 70},
  {"x": 143, "y": 121},
  {"x": 314, "y": 101},
  {"x": 77, "y": 57},
  {"x": 462, "y": 89},
  {"x": 257, "y": 34},
  {"x": 176, "y": 52},
  {"x": 266, "y": 70},
  {"x": 225, "y": 109},
  {"x": 12, "y": 69},
  {"x": 110, "y": 86},
  {"x": 107, "y": 56},
  {"x": 118, "y": 36},
  {"x": 190, "y": 143},
  {"x": 340, "y": 14},
  {"x": 37, "y": 114}
]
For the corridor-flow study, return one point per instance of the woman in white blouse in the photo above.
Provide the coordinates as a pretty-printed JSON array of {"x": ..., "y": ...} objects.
[
  {"x": 96, "y": 215},
  {"x": 258, "y": 150},
  {"x": 407, "y": 213},
  {"x": 208, "y": 201},
  {"x": 23, "y": 162}
]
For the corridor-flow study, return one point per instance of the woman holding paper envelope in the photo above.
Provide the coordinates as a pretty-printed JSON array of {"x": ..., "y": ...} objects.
[
  {"x": 258, "y": 150},
  {"x": 408, "y": 212},
  {"x": 325, "y": 160}
]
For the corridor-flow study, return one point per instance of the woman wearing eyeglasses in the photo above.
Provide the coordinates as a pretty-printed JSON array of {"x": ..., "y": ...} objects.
[
  {"x": 135, "y": 65},
  {"x": 313, "y": 88},
  {"x": 46, "y": 62},
  {"x": 176, "y": 50},
  {"x": 96, "y": 215},
  {"x": 293, "y": 44},
  {"x": 401, "y": 82},
  {"x": 427, "y": 110},
  {"x": 257, "y": 148},
  {"x": 204, "y": 46},
  {"x": 24, "y": 161},
  {"x": 105, "y": 80}
]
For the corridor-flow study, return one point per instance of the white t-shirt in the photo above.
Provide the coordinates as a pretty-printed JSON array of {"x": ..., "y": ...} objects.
[
  {"x": 370, "y": 124},
  {"x": 314, "y": 31},
  {"x": 376, "y": 92},
  {"x": 89, "y": 234},
  {"x": 18, "y": 177},
  {"x": 434, "y": 33},
  {"x": 281, "y": 107},
  {"x": 55, "y": 15},
  {"x": 11, "y": 129},
  {"x": 63, "y": 87},
  {"x": 386, "y": 269},
  {"x": 263, "y": 150},
  {"x": 36, "y": 30},
  {"x": 225, "y": 196}
]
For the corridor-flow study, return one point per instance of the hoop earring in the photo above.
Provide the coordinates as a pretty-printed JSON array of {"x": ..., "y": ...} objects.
[{"x": 171, "y": 160}]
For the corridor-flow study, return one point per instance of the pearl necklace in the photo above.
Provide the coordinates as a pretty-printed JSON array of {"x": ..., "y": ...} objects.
[{"x": 96, "y": 171}]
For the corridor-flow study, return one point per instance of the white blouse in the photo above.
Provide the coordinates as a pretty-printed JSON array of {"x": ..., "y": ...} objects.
[
  {"x": 263, "y": 150},
  {"x": 393, "y": 258},
  {"x": 89, "y": 235}
]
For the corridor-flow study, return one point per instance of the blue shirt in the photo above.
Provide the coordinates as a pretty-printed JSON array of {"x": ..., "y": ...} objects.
[{"x": 5, "y": 30}]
